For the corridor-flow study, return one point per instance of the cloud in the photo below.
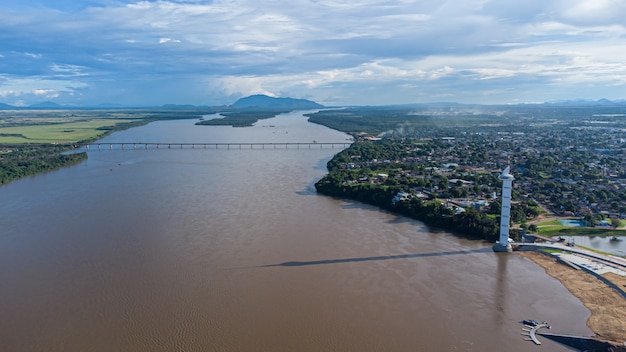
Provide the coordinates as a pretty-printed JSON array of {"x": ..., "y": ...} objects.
[
  {"x": 168, "y": 40},
  {"x": 48, "y": 93},
  {"x": 6, "y": 93},
  {"x": 593, "y": 12},
  {"x": 202, "y": 52}
]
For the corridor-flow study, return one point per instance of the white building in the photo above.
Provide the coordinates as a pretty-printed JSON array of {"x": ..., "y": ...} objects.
[{"x": 503, "y": 244}]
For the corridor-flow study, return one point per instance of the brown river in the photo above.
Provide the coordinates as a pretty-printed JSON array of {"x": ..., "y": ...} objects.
[{"x": 232, "y": 250}]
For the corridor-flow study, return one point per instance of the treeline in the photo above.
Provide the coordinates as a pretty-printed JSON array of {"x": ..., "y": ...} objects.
[
  {"x": 470, "y": 223},
  {"x": 25, "y": 160},
  {"x": 394, "y": 121}
]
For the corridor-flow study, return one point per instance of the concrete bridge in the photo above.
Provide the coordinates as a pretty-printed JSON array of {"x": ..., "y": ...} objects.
[{"x": 209, "y": 145}]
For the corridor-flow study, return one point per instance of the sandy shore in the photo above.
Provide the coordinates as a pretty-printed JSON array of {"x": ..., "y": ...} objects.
[{"x": 608, "y": 308}]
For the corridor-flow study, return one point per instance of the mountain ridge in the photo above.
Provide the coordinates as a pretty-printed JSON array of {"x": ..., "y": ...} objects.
[{"x": 264, "y": 101}]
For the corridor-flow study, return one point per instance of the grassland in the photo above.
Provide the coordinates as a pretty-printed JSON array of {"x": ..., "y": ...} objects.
[
  {"x": 556, "y": 228},
  {"x": 59, "y": 132}
]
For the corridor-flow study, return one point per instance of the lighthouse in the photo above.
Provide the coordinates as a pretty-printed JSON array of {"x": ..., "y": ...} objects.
[{"x": 505, "y": 214}]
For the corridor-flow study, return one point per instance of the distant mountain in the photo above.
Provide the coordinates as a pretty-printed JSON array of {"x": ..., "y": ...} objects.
[
  {"x": 6, "y": 106},
  {"x": 179, "y": 107},
  {"x": 264, "y": 101},
  {"x": 109, "y": 106},
  {"x": 46, "y": 105},
  {"x": 586, "y": 102}
]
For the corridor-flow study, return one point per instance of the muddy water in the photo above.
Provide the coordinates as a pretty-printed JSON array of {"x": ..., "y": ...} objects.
[{"x": 232, "y": 250}]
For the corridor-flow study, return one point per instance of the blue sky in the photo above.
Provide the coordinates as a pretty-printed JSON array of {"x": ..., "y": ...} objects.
[{"x": 335, "y": 52}]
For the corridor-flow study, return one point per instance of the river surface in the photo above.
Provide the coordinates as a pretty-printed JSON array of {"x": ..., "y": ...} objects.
[{"x": 232, "y": 250}]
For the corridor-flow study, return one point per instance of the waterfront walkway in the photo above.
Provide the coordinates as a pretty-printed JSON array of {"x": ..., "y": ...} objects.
[{"x": 582, "y": 259}]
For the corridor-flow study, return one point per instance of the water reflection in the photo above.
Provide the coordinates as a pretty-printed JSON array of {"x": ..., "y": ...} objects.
[
  {"x": 608, "y": 244},
  {"x": 501, "y": 287}
]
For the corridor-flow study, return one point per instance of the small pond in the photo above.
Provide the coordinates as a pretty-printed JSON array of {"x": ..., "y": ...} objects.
[
  {"x": 571, "y": 222},
  {"x": 608, "y": 244}
]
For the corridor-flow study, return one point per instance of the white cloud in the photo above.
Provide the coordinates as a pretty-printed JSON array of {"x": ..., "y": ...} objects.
[
  {"x": 594, "y": 12},
  {"x": 168, "y": 40},
  {"x": 6, "y": 93},
  {"x": 48, "y": 93},
  {"x": 324, "y": 48},
  {"x": 67, "y": 70}
]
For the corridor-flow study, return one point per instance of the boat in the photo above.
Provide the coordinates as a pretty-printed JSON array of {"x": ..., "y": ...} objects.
[
  {"x": 530, "y": 322},
  {"x": 615, "y": 238},
  {"x": 534, "y": 323}
]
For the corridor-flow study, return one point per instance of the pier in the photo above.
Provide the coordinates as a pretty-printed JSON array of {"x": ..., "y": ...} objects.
[
  {"x": 531, "y": 332},
  {"x": 582, "y": 343}
]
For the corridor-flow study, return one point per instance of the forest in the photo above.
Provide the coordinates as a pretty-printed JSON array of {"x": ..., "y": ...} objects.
[{"x": 19, "y": 161}]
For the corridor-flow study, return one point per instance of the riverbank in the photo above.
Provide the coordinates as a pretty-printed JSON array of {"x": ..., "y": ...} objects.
[{"x": 607, "y": 307}]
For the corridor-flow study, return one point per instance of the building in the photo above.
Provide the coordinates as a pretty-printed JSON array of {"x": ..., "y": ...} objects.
[{"x": 503, "y": 244}]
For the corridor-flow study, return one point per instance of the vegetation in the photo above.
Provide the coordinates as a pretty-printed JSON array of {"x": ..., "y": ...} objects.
[
  {"x": 63, "y": 132},
  {"x": 243, "y": 117},
  {"x": 25, "y": 160},
  {"x": 353, "y": 184},
  {"x": 556, "y": 228}
]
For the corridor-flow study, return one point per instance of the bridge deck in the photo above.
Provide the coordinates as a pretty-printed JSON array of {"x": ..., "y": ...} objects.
[{"x": 212, "y": 145}]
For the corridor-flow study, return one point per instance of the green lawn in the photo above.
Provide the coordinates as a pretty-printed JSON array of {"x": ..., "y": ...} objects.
[
  {"x": 550, "y": 223},
  {"x": 544, "y": 175},
  {"x": 58, "y": 132},
  {"x": 555, "y": 228}
]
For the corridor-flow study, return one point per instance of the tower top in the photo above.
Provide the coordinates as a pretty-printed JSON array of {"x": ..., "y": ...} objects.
[{"x": 506, "y": 174}]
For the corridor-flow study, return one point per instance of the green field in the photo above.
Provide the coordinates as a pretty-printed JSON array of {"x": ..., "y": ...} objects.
[
  {"x": 67, "y": 132},
  {"x": 555, "y": 228}
]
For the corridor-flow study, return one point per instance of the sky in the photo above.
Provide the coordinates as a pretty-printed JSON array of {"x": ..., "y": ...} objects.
[{"x": 334, "y": 52}]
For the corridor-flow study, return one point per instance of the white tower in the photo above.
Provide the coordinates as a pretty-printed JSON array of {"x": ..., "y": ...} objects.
[{"x": 505, "y": 215}]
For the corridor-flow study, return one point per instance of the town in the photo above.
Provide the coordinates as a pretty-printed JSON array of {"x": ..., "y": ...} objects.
[{"x": 567, "y": 161}]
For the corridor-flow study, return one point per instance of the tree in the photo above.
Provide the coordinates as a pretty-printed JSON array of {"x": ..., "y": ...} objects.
[{"x": 615, "y": 223}]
